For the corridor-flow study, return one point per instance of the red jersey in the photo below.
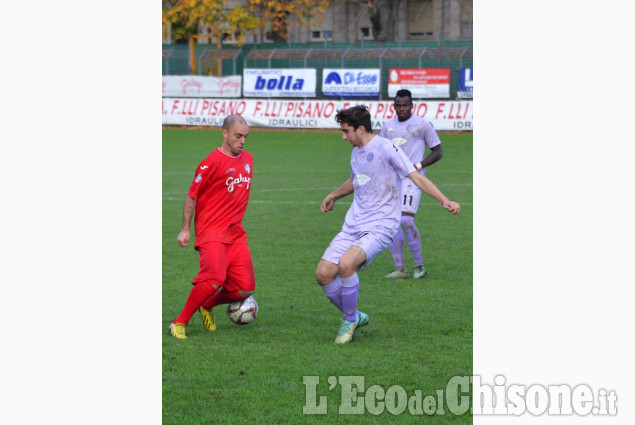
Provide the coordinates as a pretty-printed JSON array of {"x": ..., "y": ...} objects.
[{"x": 221, "y": 188}]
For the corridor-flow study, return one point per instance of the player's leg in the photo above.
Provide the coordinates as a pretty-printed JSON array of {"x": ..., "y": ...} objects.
[
  {"x": 327, "y": 270},
  {"x": 366, "y": 248},
  {"x": 239, "y": 284},
  {"x": 397, "y": 252},
  {"x": 397, "y": 245},
  {"x": 207, "y": 282},
  {"x": 333, "y": 292},
  {"x": 347, "y": 269},
  {"x": 326, "y": 276},
  {"x": 413, "y": 236}
]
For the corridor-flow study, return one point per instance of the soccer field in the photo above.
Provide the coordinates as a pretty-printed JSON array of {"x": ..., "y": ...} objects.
[{"x": 420, "y": 332}]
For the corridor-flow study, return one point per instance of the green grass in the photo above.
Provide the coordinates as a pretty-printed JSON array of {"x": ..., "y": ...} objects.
[{"x": 420, "y": 332}]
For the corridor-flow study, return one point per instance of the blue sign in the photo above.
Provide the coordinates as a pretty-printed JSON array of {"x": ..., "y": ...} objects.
[
  {"x": 279, "y": 82},
  {"x": 350, "y": 82},
  {"x": 466, "y": 83}
]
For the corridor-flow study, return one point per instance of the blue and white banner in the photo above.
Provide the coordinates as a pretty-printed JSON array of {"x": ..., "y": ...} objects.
[
  {"x": 283, "y": 82},
  {"x": 351, "y": 82},
  {"x": 466, "y": 83}
]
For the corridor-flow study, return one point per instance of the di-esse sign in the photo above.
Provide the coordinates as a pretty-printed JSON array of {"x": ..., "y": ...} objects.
[{"x": 284, "y": 113}]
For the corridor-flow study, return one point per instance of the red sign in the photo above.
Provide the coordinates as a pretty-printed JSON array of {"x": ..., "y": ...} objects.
[
  {"x": 419, "y": 76},
  {"x": 422, "y": 82}
]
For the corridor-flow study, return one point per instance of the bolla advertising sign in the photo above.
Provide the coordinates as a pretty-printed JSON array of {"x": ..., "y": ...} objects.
[{"x": 293, "y": 82}]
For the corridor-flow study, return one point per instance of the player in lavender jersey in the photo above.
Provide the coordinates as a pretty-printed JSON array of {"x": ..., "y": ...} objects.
[
  {"x": 377, "y": 167},
  {"x": 413, "y": 134}
]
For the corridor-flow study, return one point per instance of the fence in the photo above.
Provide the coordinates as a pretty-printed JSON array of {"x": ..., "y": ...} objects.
[{"x": 232, "y": 60}]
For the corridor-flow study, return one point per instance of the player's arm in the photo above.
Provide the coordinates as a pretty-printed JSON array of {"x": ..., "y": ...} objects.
[
  {"x": 436, "y": 153},
  {"x": 329, "y": 202},
  {"x": 425, "y": 184},
  {"x": 188, "y": 213}
]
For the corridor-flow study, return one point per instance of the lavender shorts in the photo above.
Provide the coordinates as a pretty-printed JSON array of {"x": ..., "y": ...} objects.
[
  {"x": 372, "y": 241},
  {"x": 410, "y": 196}
]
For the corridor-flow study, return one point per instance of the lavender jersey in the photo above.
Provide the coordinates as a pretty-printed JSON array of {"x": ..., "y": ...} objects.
[
  {"x": 412, "y": 135},
  {"x": 376, "y": 170}
]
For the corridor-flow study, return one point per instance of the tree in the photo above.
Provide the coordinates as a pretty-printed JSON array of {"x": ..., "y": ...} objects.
[
  {"x": 186, "y": 18},
  {"x": 277, "y": 13}
]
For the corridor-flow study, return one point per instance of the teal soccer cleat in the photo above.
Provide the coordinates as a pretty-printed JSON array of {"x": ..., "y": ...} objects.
[
  {"x": 346, "y": 331},
  {"x": 363, "y": 319}
]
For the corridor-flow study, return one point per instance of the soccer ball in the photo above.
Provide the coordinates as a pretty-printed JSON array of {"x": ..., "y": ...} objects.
[{"x": 243, "y": 312}]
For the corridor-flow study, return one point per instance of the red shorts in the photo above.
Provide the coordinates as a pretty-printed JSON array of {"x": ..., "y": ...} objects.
[{"x": 226, "y": 265}]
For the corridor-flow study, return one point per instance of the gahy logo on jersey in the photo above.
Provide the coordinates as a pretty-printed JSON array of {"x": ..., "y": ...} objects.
[{"x": 237, "y": 181}]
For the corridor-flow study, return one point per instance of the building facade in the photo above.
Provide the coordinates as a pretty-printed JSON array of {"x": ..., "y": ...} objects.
[{"x": 376, "y": 20}]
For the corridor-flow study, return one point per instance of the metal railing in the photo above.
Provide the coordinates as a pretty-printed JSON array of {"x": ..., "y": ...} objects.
[{"x": 232, "y": 61}]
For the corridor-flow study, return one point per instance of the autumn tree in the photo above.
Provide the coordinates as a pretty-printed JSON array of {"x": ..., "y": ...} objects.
[
  {"x": 188, "y": 17},
  {"x": 277, "y": 14}
]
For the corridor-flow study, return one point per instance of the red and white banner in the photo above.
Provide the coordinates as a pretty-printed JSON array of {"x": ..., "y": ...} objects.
[
  {"x": 450, "y": 115},
  {"x": 422, "y": 83},
  {"x": 197, "y": 86}
]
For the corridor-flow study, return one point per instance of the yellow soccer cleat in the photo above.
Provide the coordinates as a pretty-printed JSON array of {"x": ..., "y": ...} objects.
[
  {"x": 208, "y": 319},
  {"x": 346, "y": 331},
  {"x": 177, "y": 330}
]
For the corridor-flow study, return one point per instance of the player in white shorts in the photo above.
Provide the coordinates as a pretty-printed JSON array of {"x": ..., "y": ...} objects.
[
  {"x": 377, "y": 167},
  {"x": 413, "y": 135}
]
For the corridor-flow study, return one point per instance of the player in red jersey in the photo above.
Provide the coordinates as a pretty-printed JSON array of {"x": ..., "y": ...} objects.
[{"x": 218, "y": 200}]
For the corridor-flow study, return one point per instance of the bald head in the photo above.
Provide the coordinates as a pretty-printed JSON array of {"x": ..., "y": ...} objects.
[
  {"x": 230, "y": 120},
  {"x": 235, "y": 131}
]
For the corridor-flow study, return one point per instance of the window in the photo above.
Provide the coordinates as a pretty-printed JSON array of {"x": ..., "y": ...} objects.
[
  {"x": 364, "y": 33},
  {"x": 229, "y": 38},
  {"x": 321, "y": 35},
  {"x": 266, "y": 37}
]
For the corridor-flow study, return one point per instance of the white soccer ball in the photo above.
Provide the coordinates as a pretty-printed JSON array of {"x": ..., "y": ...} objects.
[{"x": 243, "y": 312}]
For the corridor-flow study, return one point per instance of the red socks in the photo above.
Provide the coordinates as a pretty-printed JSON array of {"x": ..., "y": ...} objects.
[
  {"x": 221, "y": 297},
  {"x": 200, "y": 292}
]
